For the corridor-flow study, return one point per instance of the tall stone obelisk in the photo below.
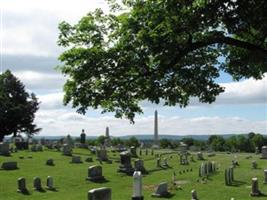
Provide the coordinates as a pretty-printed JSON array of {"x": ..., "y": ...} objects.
[
  {"x": 156, "y": 130},
  {"x": 107, "y": 132}
]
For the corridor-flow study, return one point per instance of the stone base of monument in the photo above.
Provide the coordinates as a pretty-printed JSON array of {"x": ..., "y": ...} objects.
[
  {"x": 165, "y": 194},
  {"x": 138, "y": 198},
  {"x": 256, "y": 194},
  {"x": 96, "y": 178},
  {"x": 126, "y": 170}
]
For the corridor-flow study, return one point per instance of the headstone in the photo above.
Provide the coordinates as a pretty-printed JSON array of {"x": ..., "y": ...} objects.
[
  {"x": 158, "y": 162},
  {"x": 67, "y": 150},
  {"x": 133, "y": 151},
  {"x": 99, "y": 194},
  {"x": 165, "y": 162},
  {"x": 95, "y": 173},
  {"x": 194, "y": 195},
  {"x": 255, "y": 188},
  {"x": 161, "y": 190},
  {"x": 50, "y": 183},
  {"x": 83, "y": 137},
  {"x": 200, "y": 156},
  {"x": 146, "y": 152},
  {"x": 125, "y": 166},
  {"x": 76, "y": 159},
  {"x": 102, "y": 154},
  {"x": 12, "y": 165},
  {"x": 137, "y": 186},
  {"x": 22, "y": 185},
  {"x": 264, "y": 152},
  {"x": 4, "y": 149},
  {"x": 37, "y": 185},
  {"x": 89, "y": 159},
  {"x": 139, "y": 166},
  {"x": 39, "y": 147},
  {"x": 254, "y": 164},
  {"x": 34, "y": 148},
  {"x": 265, "y": 176},
  {"x": 50, "y": 162}
]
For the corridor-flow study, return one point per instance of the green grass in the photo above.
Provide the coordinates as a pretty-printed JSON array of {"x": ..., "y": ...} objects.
[{"x": 70, "y": 180}]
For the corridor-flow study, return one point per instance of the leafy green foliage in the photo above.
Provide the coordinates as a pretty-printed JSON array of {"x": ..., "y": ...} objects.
[
  {"x": 160, "y": 50},
  {"x": 17, "y": 107}
]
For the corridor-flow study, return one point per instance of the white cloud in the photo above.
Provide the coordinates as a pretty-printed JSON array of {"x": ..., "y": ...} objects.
[
  {"x": 61, "y": 122},
  {"x": 30, "y": 27},
  {"x": 36, "y": 80}
]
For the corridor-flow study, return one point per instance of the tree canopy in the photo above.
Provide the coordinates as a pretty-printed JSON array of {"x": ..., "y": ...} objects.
[
  {"x": 161, "y": 51},
  {"x": 17, "y": 107}
]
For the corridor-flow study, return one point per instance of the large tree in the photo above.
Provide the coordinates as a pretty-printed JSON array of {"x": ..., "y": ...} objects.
[
  {"x": 161, "y": 51},
  {"x": 17, "y": 107}
]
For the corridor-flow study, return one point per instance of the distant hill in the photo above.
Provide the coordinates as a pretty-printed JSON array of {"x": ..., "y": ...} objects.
[{"x": 146, "y": 137}]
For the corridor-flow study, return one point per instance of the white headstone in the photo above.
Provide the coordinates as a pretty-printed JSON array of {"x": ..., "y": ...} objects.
[{"x": 137, "y": 184}]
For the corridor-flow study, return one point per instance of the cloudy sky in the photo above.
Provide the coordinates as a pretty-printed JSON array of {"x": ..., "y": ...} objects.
[{"x": 29, "y": 37}]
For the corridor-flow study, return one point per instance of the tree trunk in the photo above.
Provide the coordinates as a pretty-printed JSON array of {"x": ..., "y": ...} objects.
[{"x": 1, "y": 138}]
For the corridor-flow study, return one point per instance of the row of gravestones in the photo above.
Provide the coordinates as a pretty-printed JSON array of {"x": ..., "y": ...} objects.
[
  {"x": 37, "y": 184},
  {"x": 126, "y": 164},
  {"x": 160, "y": 191},
  {"x": 207, "y": 169},
  {"x": 75, "y": 160}
]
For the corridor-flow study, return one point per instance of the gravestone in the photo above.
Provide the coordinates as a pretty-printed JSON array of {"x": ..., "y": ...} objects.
[
  {"x": 137, "y": 186},
  {"x": 12, "y": 165},
  {"x": 265, "y": 176},
  {"x": 50, "y": 162},
  {"x": 89, "y": 159},
  {"x": 4, "y": 149},
  {"x": 95, "y": 173},
  {"x": 34, "y": 148},
  {"x": 39, "y": 147},
  {"x": 194, "y": 195},
  {"x": 37, "y": 184},
  {"x": 165, "y": 162},
  {"x": 146, "y": 152},
  {"x": 254, "y": 164},
  {"x": 133, "y": 152},
  {"x": 125, "y": 163},
  {"x": 264, "y": 152},
  {"x": 184, "y": 159},
  {"x": 76, "y": 159},
  {"x": 158, "y": 162},
  {"x": 255, "y": 188},
  {"x": 200, "y": 156},
  {"x": 22, "y": 185},
  {"x": 50, "y": 183},
  {"x": 99, "y": 194},
  {"x": 67, "y": 150},
  {"x": 161, "y": 190},
  {"x": 102, "y": 154},
  {"x": 139, "y": 166}
]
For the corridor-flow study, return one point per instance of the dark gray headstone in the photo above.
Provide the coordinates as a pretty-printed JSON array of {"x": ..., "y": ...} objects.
[{"x": 99, "y": 194}]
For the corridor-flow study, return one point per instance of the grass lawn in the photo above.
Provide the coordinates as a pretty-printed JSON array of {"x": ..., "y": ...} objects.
[{"x": 69, "y": 179}]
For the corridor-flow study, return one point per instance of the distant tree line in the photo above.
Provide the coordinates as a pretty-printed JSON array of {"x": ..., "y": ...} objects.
[
  {"x": 237, "y": 143},
  {"x": 240, "y": 143}
]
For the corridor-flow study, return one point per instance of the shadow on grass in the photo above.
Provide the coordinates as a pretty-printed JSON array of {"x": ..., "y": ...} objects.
[
  {"x": 99, "y": 181},
  {"x": 42, "y": 190},
  {"x": 167, "y": 196},
  {"x": 25, "y": 192},
  {"x": 157, "y": 169},
  {"x": 238, "y": 183}
]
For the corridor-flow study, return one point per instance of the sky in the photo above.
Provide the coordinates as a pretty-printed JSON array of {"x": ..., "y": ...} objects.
[{"x": 29, "y": 49}]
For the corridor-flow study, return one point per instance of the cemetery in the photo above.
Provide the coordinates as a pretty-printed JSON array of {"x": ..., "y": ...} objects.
[
  {"x": 110, "y": 100},
  {"x": 50, "y": 174}
]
